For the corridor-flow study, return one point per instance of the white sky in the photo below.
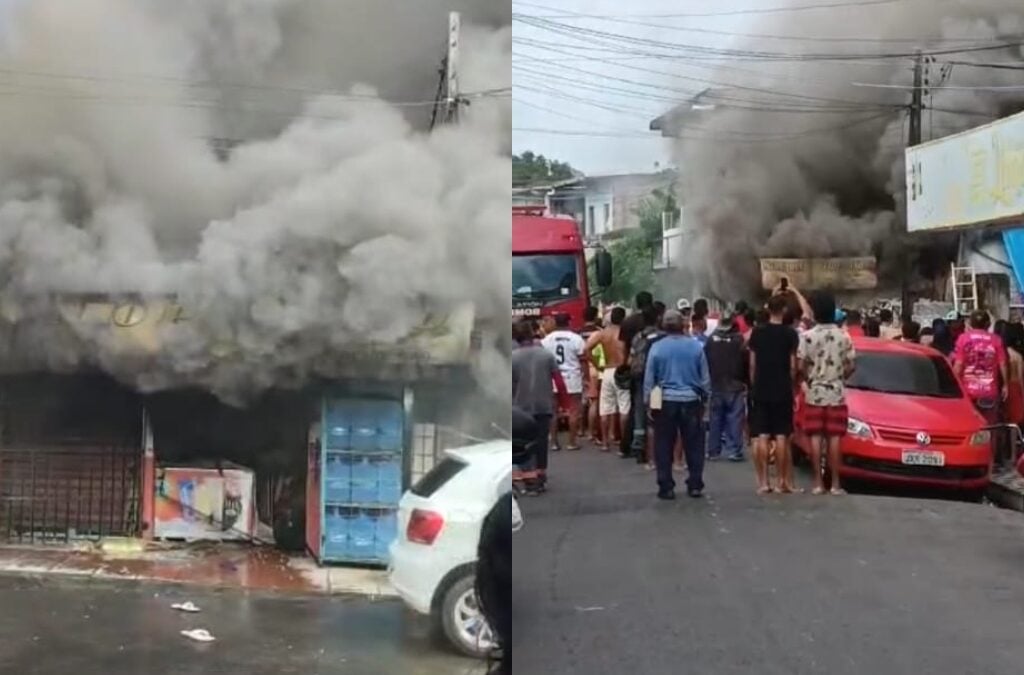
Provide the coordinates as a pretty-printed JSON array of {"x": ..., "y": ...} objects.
[{"x": 538, "y": 68}]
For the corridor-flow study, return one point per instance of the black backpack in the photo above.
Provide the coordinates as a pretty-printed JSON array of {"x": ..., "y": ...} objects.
[{"x": 638, "y": 352}]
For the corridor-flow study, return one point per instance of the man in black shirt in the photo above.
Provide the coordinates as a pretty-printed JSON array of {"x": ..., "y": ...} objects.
[
  {"x": 634, "y": 323},
  {"x": 725, "y": 351},
  {"x": 772, "y": 368},
  {"x": 631, "y": 327}
]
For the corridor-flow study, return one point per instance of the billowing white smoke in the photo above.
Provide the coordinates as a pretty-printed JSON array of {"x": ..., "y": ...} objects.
[
  {"x": 337, "y": 221},
  {"x": 830, "y": 182}
]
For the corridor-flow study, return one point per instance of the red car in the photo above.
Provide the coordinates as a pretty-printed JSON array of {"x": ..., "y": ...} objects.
[{"x": 910, "y": 421}]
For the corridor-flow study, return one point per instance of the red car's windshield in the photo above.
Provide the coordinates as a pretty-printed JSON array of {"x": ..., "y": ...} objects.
[{"x": 905, "y": 374}]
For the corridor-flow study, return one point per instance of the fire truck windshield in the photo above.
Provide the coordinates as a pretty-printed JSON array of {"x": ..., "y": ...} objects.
[{"x": 544, "y": 277}]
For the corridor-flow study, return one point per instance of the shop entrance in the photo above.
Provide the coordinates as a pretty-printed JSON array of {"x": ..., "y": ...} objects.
[{"x": 70, "y": 459}]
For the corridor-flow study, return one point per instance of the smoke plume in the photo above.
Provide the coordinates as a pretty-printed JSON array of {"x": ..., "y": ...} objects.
[
  {"x": 335, "y": 220},
  {"x": 829, "y": 180}
]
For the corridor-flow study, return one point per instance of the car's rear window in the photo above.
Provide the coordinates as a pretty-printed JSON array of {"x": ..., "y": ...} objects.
[
  {"x": 905, "y": 374},
  {"x": 436, "y": 478}
]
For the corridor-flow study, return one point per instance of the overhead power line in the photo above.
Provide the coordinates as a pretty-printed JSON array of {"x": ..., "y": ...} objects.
[
  {"x": 726, "y": 137},
  {"x": 720, "y": 100},
  {"x": 572, "y": 31},
  {"x": 994, "y": 66},
  {"x": 146, "y": 83},
  {"x": 705, "y": 82},
  {"x": 759, "y": 74},
  {"x": 979, "y": 87},
  {"x": 735, "y": 12},
  {"x": 636, "y": 53},
  {"x": 761, "y": 36}
]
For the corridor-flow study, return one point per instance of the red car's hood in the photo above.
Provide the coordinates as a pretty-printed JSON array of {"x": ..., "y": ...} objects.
[{"x": 933, "y": 415}]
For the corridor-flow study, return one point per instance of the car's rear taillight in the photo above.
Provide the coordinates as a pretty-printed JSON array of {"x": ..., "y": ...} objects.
[{"x": 424, "y": 526}]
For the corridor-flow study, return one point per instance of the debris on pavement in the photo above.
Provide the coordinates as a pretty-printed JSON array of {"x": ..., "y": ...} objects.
[{"x": 185, "y": 607}]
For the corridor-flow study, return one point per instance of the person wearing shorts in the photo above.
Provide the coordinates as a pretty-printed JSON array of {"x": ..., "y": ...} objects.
[
  {"x": 569, "y": 349},
  {"x": 773, "y": 348},
  {"x": 826, "y": 360},
  {"x": 614, "y": 400}
]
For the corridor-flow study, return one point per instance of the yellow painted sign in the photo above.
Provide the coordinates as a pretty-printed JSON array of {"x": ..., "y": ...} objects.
[
  {"x": 140, "y": 326},
  {"x": 820, "y": 273},
  {"x": 135, "y": 324}
]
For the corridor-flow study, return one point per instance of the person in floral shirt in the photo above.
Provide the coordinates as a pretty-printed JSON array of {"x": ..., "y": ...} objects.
[{"x": 825, "y": 358}]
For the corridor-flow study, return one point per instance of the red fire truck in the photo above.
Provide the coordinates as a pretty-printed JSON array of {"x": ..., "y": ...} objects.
[{"x": 549, "y": 265}]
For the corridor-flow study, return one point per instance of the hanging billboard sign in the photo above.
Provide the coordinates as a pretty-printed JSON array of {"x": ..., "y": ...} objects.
[
  {"x": 820, "y": 273},
  {"x": 973, "y": 178}
]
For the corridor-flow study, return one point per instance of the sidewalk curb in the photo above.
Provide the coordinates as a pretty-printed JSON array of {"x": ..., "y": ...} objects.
[
  {"x": 313, "y": 579},
  {"x": 1006, "y": 489}
]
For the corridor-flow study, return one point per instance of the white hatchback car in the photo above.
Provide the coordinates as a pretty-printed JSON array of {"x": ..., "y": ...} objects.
[{"x": 433, "y": 561}]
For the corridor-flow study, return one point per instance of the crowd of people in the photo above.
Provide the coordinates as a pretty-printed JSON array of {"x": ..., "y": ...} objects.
[{"x": 673, "y": 387}]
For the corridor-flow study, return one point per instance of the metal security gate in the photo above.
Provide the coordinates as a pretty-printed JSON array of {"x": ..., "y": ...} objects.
[
  {"x": 66, "y": 494},
  {"x": 70, "y": 459}
]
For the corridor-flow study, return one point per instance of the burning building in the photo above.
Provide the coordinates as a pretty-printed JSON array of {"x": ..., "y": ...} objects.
[
  {"x": 801, "y": 154},
  {"x": 168, "y": 299}
]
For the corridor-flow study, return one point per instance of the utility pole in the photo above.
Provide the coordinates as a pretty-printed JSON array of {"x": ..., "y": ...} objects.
[
  {"x": 913, "y": 138},
  {"x": 453, "y": 102},
  {"x": 447, "y": 100},
  {"x": 916, "y": 101}
]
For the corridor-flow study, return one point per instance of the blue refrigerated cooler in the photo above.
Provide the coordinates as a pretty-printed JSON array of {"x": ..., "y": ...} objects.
[{"x": 357, "y": 474}]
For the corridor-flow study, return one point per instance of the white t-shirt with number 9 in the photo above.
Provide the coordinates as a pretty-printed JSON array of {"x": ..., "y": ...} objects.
[{"x": 567, "y": 348}]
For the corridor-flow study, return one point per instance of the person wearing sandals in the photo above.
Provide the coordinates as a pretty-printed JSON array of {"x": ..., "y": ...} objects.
[
  {"x": 826, "y": 359},
  {"x": 568, "y": 348}
]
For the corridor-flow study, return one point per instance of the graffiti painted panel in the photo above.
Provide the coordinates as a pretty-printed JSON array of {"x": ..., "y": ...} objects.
[{"x": 197, "y": 504}]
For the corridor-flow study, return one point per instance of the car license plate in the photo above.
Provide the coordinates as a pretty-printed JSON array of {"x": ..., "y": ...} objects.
[{"x": 924, "y": 458}]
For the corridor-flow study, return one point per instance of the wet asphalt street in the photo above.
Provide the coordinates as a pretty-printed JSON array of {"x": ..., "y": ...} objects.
[
  {"x": 610, "y": 581},
  {"x": 55, "y": 626}
]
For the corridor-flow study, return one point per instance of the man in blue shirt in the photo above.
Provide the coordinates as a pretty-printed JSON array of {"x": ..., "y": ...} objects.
[{"x": 677, "y": 367}]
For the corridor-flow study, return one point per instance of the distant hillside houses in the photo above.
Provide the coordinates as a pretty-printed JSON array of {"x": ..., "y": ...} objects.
[{"x": 602, "y": 205}]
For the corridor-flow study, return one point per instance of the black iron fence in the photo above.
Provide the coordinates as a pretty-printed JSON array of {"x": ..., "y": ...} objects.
[{"x": 68, "y": 493}]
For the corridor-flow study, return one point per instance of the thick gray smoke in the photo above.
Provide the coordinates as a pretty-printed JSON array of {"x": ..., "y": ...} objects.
[
  {"x": 336, "y": 220},
  {"x": 830, "y": 182}
]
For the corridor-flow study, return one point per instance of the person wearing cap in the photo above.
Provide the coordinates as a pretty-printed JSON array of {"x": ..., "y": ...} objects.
[
  {"x": 726, "y": 353},
  {"x": 676, "y": 384}
]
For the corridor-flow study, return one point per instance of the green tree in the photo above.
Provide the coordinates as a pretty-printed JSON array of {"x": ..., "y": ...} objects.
[
  {"x": 633, "y": 254},
  {"x": 531, "y": 169},
  {"x": 632, "y": 268},
  {"x": 650, "y": 212}
]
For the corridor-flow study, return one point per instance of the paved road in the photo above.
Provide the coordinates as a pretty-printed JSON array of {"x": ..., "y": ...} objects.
[
  {"x": 56, "y": 627},
  {"x": 608, "y": 580}
]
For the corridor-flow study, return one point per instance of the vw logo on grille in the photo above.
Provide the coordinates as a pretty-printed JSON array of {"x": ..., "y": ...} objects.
[{"x": 923, "y": 438}]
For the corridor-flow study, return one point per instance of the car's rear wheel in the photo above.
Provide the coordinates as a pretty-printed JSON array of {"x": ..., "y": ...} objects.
[{"x": 462, "y": 621}]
